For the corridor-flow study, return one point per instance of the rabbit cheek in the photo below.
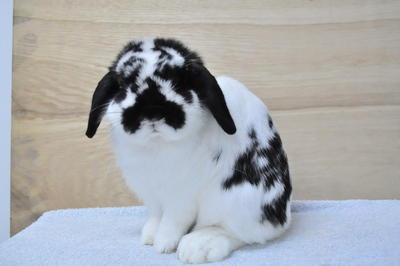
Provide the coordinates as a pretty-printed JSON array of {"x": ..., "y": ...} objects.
[
  {"x": 131, "y": 119},
  {"x": 174, "y": 115}
]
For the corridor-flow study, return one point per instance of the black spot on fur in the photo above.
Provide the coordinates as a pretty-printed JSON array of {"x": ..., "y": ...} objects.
[
  {"x": 177, "y": 77},
  {"x": 217, "y": 156},
  {"x": 253, "y": 135},
  {"x": 152, "y": 105},
  {"x": 134, "y": 46},
  {"x": 277, "y": 162},
  {"x": 187, "y": 54},
  {"x": 275, "y": 212},
  {"x": 176, "y": 74},
  {"x": 277, "y": 170},
  {"x": 130, "y": 79},
  {"x": 248, "y": 169},
  {"x": 270, "y": 123},
  {"x": 245, "y": 168},
  {"x": 120, "y": 96}
]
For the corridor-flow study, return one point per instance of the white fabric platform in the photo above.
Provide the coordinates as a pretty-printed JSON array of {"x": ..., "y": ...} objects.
[{"x": 355, "y": 232}]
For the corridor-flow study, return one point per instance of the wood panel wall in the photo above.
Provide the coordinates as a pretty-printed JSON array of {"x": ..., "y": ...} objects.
[{"x": 328, "y": 70}]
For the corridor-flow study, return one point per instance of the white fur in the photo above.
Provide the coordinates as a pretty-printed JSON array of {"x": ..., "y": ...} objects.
[
  {"x": 128, "y": 101},
  {"x": 168, "y": 92},
  {"x": 175, "y": 176},
  {"x": 177, "y": 59},
  {"x": 121, "y": 62}
]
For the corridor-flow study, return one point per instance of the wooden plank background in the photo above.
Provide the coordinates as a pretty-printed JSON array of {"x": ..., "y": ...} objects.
[{"x": 328, "y": 70}]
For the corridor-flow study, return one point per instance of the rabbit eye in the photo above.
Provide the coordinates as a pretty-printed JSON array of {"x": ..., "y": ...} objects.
[{"x": 120, "y": 96}]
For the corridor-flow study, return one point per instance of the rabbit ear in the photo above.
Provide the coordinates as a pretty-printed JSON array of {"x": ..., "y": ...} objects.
[
  {"x": 104, "y": 93},
  {"x": 212, "y": 96}
]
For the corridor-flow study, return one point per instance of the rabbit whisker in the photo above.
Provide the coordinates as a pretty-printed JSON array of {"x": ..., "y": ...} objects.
[{"x": 98, "y": 107}]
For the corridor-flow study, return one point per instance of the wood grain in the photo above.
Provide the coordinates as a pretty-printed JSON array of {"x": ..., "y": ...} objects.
[
  {"x": 293, "y": 67},
  {"x": 343, "y": 153},
  {"x": 328, "y": 70},
  {"x": 269, "y": 12}
]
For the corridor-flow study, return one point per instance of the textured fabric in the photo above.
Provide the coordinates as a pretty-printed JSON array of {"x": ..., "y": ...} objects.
[{"x": 356, "y": 232}]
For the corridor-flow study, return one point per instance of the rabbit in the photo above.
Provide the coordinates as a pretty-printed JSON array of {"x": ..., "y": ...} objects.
[{"x": 202, "y": 153}]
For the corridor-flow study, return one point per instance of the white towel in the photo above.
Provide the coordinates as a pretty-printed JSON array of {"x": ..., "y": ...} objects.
[{"x": 356, "y": 232}]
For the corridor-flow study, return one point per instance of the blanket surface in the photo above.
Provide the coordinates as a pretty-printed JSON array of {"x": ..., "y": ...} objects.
[{"x": 354, "y": 232}]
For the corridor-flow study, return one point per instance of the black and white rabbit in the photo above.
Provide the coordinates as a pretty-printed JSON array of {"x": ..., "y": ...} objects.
[{"x": 201, "y": 152}]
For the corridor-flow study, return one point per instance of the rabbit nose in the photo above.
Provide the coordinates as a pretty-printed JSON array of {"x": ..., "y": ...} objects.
[{"x": 153, "y": 126}]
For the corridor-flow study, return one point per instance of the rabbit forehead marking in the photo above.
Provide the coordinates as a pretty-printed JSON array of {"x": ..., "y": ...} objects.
[
  {"x": 167, "y": 89},
  {"x": 164, "y": 87},
  {"x": 163, "y": 60},
  {"x": 147, "y": 57}
]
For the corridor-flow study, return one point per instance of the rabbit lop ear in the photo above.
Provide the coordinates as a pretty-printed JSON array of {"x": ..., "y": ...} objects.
[
  {"x": 105, "y": 91},
  {"x": 211, "y": 95}
]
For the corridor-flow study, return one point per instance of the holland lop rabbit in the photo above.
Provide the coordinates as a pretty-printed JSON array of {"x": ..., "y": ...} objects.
[{"x": 201, "y": 152}]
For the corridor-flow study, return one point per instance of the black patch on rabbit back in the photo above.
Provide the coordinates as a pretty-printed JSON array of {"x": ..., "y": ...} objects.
[
  {"x": 277, "y": 170},
  {"x": 248, "y": 169},
  {"x": 245, "y": 168}
]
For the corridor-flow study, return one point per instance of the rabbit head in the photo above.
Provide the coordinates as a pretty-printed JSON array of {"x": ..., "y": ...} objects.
[{"x": 158, "y": 88}]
